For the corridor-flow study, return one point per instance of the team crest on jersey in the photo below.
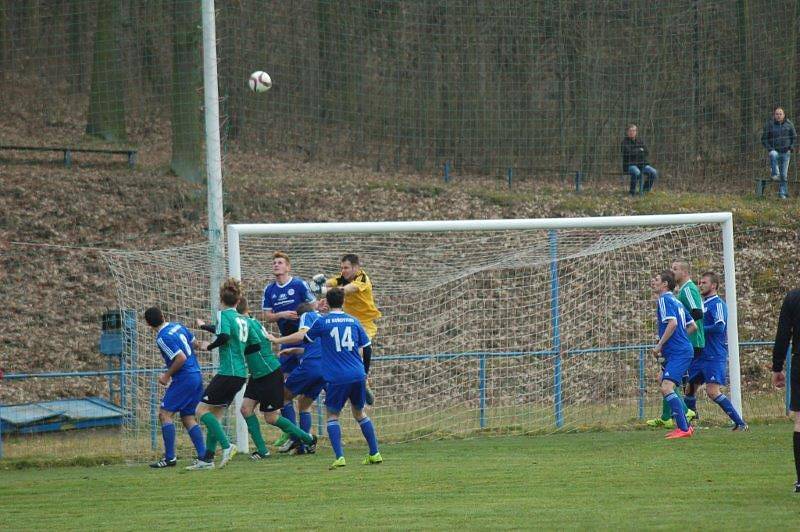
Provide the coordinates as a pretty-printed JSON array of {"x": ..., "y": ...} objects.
[
  {"x": 274, "y": 296},
  {"x": 290, "y": 291}
]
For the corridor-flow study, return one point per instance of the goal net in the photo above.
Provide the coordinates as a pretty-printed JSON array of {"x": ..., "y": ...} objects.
[{"x": 502, "y": 327}]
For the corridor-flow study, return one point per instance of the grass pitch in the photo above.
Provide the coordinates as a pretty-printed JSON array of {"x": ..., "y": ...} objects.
[{"x": 634, "y": 479}]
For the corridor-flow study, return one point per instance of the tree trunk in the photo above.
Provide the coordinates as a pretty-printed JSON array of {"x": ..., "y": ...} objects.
[
  {"x": 745, "y": 75},
  {"x": 187, "y": 125},
  {"x": 107, "y": 100}
]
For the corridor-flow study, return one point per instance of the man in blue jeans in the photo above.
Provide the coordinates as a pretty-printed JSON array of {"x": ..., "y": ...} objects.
[
  {"x": 778, "y": 138},
  {"x": 634, "y": 160}
]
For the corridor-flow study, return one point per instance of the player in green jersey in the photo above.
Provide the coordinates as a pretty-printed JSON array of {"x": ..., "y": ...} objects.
[
  {"x": 265, "y": 388},
  {"x": 232, "y": 330},
  {"x": 689, "y": 295}
]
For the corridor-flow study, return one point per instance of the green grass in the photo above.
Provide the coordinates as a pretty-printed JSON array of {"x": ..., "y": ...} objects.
[{"x": 717, "y": 479}]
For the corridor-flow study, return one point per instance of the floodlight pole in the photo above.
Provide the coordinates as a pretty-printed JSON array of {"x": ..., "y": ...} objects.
[
  {"x": 216, "y": 221},
  {"x": 213, "y": 154}
]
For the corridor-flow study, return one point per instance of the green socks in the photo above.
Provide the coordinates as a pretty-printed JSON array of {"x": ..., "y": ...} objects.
[
  {"x": 666, "y": 411},
  {"x": 255, "y": 432},
  {"x": 215, "y": 431},
  {"x": 211, "y": 443},
  {"x": 293, "y": 430}
]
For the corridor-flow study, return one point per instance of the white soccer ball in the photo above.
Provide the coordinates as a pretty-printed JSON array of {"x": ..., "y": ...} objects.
[{"x": 259, "y": 81}]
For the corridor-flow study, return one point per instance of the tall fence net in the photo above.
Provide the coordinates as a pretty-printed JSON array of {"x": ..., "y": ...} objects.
[{"x": 538, "y": 89}]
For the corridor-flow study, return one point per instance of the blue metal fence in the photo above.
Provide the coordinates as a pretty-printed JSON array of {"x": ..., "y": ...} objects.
[{"x": 481, "y": 356}]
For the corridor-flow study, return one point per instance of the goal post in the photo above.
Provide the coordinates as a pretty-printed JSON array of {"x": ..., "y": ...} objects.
[{"x": 531, "y": 251}]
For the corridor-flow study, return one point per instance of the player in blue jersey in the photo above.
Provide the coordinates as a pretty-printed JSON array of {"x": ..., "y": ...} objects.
[
  {"x": 280, "y": 301},
  {"x": 673, "y": 346},
  {"x": 184, "y": 384},
  {"x": 342, "y": 338},
  {"x": 306, "y": 381},
  {"x": 711, "y": 368}
]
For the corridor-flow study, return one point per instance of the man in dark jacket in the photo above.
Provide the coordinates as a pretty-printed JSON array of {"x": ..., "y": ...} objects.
[
  {"x": 778, "y": 138},
  {"x": 789, "y": 331},
  {"x": 634, "y": 160}
]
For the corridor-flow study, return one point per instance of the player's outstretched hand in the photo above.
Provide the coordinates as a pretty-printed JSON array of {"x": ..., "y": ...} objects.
[
  {"x": 778, "y": 379},
  {"x": 163, "y": 379},
  {"x": 199, "y": 323},
  {"x": 271, "y": 337}
]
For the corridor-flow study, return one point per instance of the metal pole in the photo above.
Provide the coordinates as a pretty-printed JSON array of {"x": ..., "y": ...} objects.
[
  {"x": 554, "y": 319},
  {"x": 216, "y": 238},
  {"x": 642, "y": 386},
  {"x": 482, "y": 390},
  {"x": 153, "y": 413},
  {"x": 734, "y": 371}
]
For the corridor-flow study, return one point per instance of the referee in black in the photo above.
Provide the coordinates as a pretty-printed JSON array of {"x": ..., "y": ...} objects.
[{"x": 789, "y": 330}]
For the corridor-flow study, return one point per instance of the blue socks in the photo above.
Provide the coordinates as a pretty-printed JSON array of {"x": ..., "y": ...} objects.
[
  {"x": 196, "y": 434},
  {"x": 726, "y": 405},
  {"x": 335, "y": 436},
  {"x": 691, "y": 402},
  {"x": 288, "y": 412},
  {"x": 305, "y": 421},
  {"x": 168, "y": 433},
  {"x": 677, "y": 411},
  {"x": 368, "y": 430}
]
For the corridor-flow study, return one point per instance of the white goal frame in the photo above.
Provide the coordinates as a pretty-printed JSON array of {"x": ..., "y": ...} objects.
[{"x": 724, "y": 219}]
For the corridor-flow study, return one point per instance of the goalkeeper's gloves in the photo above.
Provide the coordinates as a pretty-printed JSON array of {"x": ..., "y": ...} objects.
[{"x": 318, "y": 284}]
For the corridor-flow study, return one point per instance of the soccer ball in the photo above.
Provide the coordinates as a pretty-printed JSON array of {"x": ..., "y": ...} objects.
[{"x": 259, "y": 81}]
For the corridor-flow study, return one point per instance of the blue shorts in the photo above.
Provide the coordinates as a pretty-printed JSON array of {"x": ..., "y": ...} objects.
[
  {"x": 675, "y": 368},
  {"x": 183, "y": 394},
  {"x": 306, "y": 380},
  {"x": 709, "y": 372},
  {"x": 289, "y": 364},
  {"x": 336, "y": 395}
]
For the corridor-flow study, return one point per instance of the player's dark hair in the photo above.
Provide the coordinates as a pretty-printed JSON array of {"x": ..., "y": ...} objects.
[
  {"x": 230, "y": 292},
  {"x": 304, "y": 307},
  {"x": 335, "y": 298},
  {"x": 281, "y": 255},
  {"x": 668, "y": 277},
  {"x": 712, "y": 276},
  {"x": 778, "y": 107},
  {"x": 153, "y": 316},
  {"x": 241, "y": 305},
  {"x": 352, "y": 258}
]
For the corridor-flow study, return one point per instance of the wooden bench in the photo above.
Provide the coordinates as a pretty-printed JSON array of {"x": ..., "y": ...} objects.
[{"x": 131, "y": 154}]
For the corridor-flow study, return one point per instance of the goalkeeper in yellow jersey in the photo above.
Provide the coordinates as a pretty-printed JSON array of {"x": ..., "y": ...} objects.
[{"x": 358, "y": 301}]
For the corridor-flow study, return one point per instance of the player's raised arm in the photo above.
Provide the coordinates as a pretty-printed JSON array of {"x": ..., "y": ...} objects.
[{"x": 293, "y": 338}]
